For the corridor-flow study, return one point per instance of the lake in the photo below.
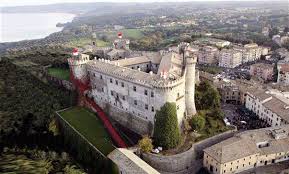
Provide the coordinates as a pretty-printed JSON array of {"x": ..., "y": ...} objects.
[{"x": 27, "y": 26}]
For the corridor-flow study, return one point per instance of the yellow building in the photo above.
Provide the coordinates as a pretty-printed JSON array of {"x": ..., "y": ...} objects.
[{"x": 248, "y": 150}]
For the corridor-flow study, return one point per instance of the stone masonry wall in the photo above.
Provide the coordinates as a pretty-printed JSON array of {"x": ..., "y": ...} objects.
[
  {"x": 129, "y": 121},
  {"x": 187, "y": 162}
]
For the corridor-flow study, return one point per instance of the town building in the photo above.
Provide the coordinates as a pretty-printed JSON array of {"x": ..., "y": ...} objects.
[
  {"x": 262, "y": 71},
  {"x": 208, "y": 55},
  {"x": 131, "y": 90},
  {"x": 283, "y": 72},
  {"x": 248, "y": 150},
  {"x": 270, "y": 107},
  {"x": 230, "y": 58},
  {"x": 251, "y": 52}
]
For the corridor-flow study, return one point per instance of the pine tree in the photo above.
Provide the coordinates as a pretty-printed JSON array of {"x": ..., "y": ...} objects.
[{"x": 166, "y": 131}]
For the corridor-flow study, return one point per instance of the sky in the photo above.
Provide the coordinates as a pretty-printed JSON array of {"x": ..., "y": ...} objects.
[{"x": 43, "y": 2}]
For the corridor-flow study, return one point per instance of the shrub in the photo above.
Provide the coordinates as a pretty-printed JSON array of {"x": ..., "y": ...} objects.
[
  {"x": 145, "y": 144},
  {"x": 198, "y": 123}
]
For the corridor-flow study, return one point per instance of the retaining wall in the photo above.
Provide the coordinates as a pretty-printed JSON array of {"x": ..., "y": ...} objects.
[{"x": 187, "y": 162}]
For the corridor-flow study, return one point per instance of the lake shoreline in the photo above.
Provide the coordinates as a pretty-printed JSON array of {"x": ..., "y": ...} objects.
[{"x": 35, "y": 29}]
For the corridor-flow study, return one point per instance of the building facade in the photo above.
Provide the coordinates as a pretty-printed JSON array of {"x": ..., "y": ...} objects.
[
  {"x": 248, "y": 150},
  {"x": 274, "y": 109},
  {"x": 208, "y": 55},
  {"x": 262, "y": 71},
  {"x": 283, "y": 72},
  {"x": 230, "y": 58},
  {"x": 251, "y": 52}
]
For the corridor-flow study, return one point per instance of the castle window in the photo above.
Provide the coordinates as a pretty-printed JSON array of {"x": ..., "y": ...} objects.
[
  {"x": 152, "y": 94},
  {"x": 116, "y": 82},
  {"x": 110, "y": 80},
  {"x": 100, "y": 76},
  {"x": 122, "y": 84},
  {"x": 135, "y": 102},
  {"x": 153, "y": 109},
  {"x": 134, "y": 88},
  {"x": 111, "y": 93},
  {"x": 178, "y": 107},
  {"x": 123, "y": 97},
  {"x": 146, "y": 92},
  {"x": 102, "y": 89},
  {"x": 146, "y": 106}
]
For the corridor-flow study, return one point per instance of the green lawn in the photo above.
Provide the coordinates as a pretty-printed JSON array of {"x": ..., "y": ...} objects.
[
  {"x": 87, "y": 123},
  {"x": 59, "y": 73},
  {"x": 80, "y": 42}
]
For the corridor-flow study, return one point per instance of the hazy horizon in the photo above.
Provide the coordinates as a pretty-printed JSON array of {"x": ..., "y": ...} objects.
[{"x": 9, "y": 3}]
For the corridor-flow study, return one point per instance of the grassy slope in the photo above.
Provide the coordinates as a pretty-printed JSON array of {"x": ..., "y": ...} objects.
[
  {"x": 59, "y": 73},
  {"x": 90, "y": 127}
]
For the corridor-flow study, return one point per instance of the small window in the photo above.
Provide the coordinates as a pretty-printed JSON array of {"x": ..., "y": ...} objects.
[
  {"x": 116, "y": 82},
  {"x": 134, "y": 88},
  {"x": 111, "y": 93},
  {"x": 153, "y": 109},
  {"x": 146, "y": 92},
  {"x": 146, "y": 107},
  {"x": 102, "y": 89},
  {"x": 135, "y": 102},
  {"x": 110, "y": 80},
  {"x": 152, "y": 94},
  {"x": 122, "y": 84},
  {"x": 100, "y": 76},
  {"x": 123, "y": 97}
]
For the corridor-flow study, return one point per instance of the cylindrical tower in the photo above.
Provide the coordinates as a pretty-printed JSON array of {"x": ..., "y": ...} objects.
[{"x": 191, "y": 60}]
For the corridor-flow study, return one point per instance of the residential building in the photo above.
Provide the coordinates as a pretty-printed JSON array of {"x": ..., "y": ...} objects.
[
  {"x": 230, "y": 58},
  {"x": 208, "y": 55},
  {"x": 248, "y": 150},
  {"x": 272, "y": 108},
  {"x": 283, "y": 72},
  {"x": 251, "y": 52},
  {"x": 262, "y": 71}
]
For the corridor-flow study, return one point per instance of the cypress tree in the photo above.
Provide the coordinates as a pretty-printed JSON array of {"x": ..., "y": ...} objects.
[{"x": 166, "y": 131}]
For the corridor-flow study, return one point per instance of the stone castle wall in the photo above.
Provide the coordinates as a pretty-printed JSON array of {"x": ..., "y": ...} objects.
[
  {"x": 128, "y": 120},
  {"x": 187, "y": 162}
]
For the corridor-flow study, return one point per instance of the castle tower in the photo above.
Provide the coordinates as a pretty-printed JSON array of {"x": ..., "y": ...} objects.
[
  {"x": 191, "y": 60},
  {"x": 77, "y": 66}
]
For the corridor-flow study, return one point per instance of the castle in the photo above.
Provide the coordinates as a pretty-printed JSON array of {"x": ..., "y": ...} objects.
[{"x": 133, "y": 87}]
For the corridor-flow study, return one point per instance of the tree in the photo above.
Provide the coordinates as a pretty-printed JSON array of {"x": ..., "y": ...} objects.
[
  {"x": 166, "y": 131},
  {"x": 207, "y": 97},
  {"x": 145, "y": 144},
  {"x": 198, "y": 123}
]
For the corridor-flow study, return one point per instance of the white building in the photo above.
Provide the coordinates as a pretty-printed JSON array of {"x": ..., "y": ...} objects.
[
  {"x": 230, "y": 58},
  {"x": 273, "y": 108},
  {"x": 251, "y": 52},
  {"x": 132, "y": 90}
]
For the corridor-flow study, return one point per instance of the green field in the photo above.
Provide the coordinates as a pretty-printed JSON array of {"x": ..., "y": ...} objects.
[
  {"x": 59, "y": 73},
  {"x": 80, "y": 42},
  {"x": 87, "y": 123}
]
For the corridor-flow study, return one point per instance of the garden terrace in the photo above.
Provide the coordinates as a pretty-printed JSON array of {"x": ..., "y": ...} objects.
[{"x": 89, "y": 126}]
